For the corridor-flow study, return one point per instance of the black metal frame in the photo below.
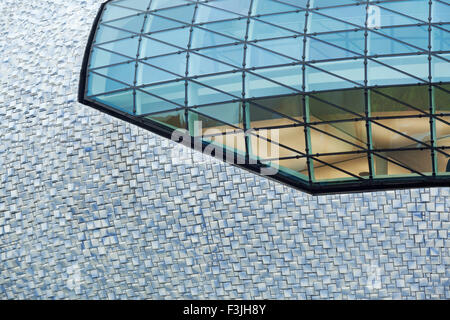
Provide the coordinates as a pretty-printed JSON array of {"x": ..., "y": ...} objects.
[{"x": 361, "y": 184}]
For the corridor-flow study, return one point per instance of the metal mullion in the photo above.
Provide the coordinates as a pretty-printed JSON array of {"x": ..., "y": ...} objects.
[
  {"x": 269, "y": 140},
  {"x": 305, "y": 101},
  {"x": 430, "y": 93},
  {"x": 308, "y": 64},
  {"x": 360, "y": 27},
  {"x": 137, "y": 57},
  {"x": 188, "y": 53},
  {"x": 366, "y": 97},
  {"x": 245, "y": 116}
]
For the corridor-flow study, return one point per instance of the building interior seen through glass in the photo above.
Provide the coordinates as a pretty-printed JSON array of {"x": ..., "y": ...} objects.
[{"x": 322, "y": 90}]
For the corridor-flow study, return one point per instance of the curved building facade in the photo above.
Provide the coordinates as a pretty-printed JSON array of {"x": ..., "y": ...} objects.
[
  {"x": 336, "y": 96},
  {"x": 93, "y": 207}
]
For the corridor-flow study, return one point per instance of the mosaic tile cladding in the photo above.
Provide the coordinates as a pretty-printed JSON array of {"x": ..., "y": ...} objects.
[{"x": 93, "y": 207}]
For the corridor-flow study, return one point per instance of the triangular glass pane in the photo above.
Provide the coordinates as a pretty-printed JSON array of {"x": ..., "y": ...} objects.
[
  {"x": 351, "y": 43},
  {"x": 98, "y": 84},
  {"x": 442, "y": 98},
  {"x": 338, "y": 137},
  {"x": 199, "y": 65},
  {"x": 201, "y": 95},
  {"x": 414, "y": 39},
  {"x": 441, "y": 12},
  {"x": 443, "y": 161},
  {"x": 217, "y": 132},
  {"x": 288, "y": 106},
  {"x": 414, "y": 68},
  {"x": 202, "y": 38},
  {"x": 163, "y": 4},
  {"x": 328, "y": 3},
  {"x": 257, "y": 57},
  {"x": 233, "y": 55},
  {"x": 319, "y": 50},
  {"x": 294, "y": 21},
  {"x": 132, "y": 24},
  {"x": 237, "y": 6},
  {"x": 147, "y": 75},
  {"x": 127, "y": 47},
  {"x": 278, "y": 81},
  {"x": 383, "y": 136},
  {"x": 181, "y": 14},
  {"x": 270, "y": 6},
  {"x": 261, "y": 30},
  {"x": 155, "y": 24},
  {"x": 259, "y": 87},
  {"x": 339, "y": 18},
  {"x": 329, "y": 168},
  {"x": 123, "y": 72},
  {"x": 172, "y": 119},
  {"x": 230, "y": 83},
  {"x": 400, "y": 163},
  {"x": 207, "y": 13},
  {"x": 295, "y": 167},
  {"x": 100, "y": 58},
  {"x": 146, "y": 103},
  {"x": 227, "y": 114},
  {"x": 136, "y": 4},
  {"x": 121, "y": 100},
  {"x": 441, "y": 39},
  {"x": 151, "y": 48},
  {"x": 178, "y": 38},
  {"x": 233, "y": 28},
  {"x": 396, "y": 100},
  {"x": 291, "y": 47},
  {"x": 275, "y": 144},
  {"x": 113, "y": 12},
  {"x": 105, "y": 33},
  {"x": 335, "y": 75},
  {"x": 171, "y": 91},
  {"x": 440, "y": 67},
  {"x": 416, "y": 9},
  {"x": 174, "y": 63},
  {"x": 326, "y": 106}
]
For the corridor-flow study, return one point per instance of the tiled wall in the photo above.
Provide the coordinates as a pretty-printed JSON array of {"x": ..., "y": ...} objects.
[{"x": 92, "y": 207}]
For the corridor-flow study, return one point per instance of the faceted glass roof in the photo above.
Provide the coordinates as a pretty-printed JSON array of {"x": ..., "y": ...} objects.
[{"x": 351, "y": 93}]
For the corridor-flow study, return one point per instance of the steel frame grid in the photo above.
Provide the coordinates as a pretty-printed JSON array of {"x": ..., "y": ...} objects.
[{"x": 311, "y": 187}]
